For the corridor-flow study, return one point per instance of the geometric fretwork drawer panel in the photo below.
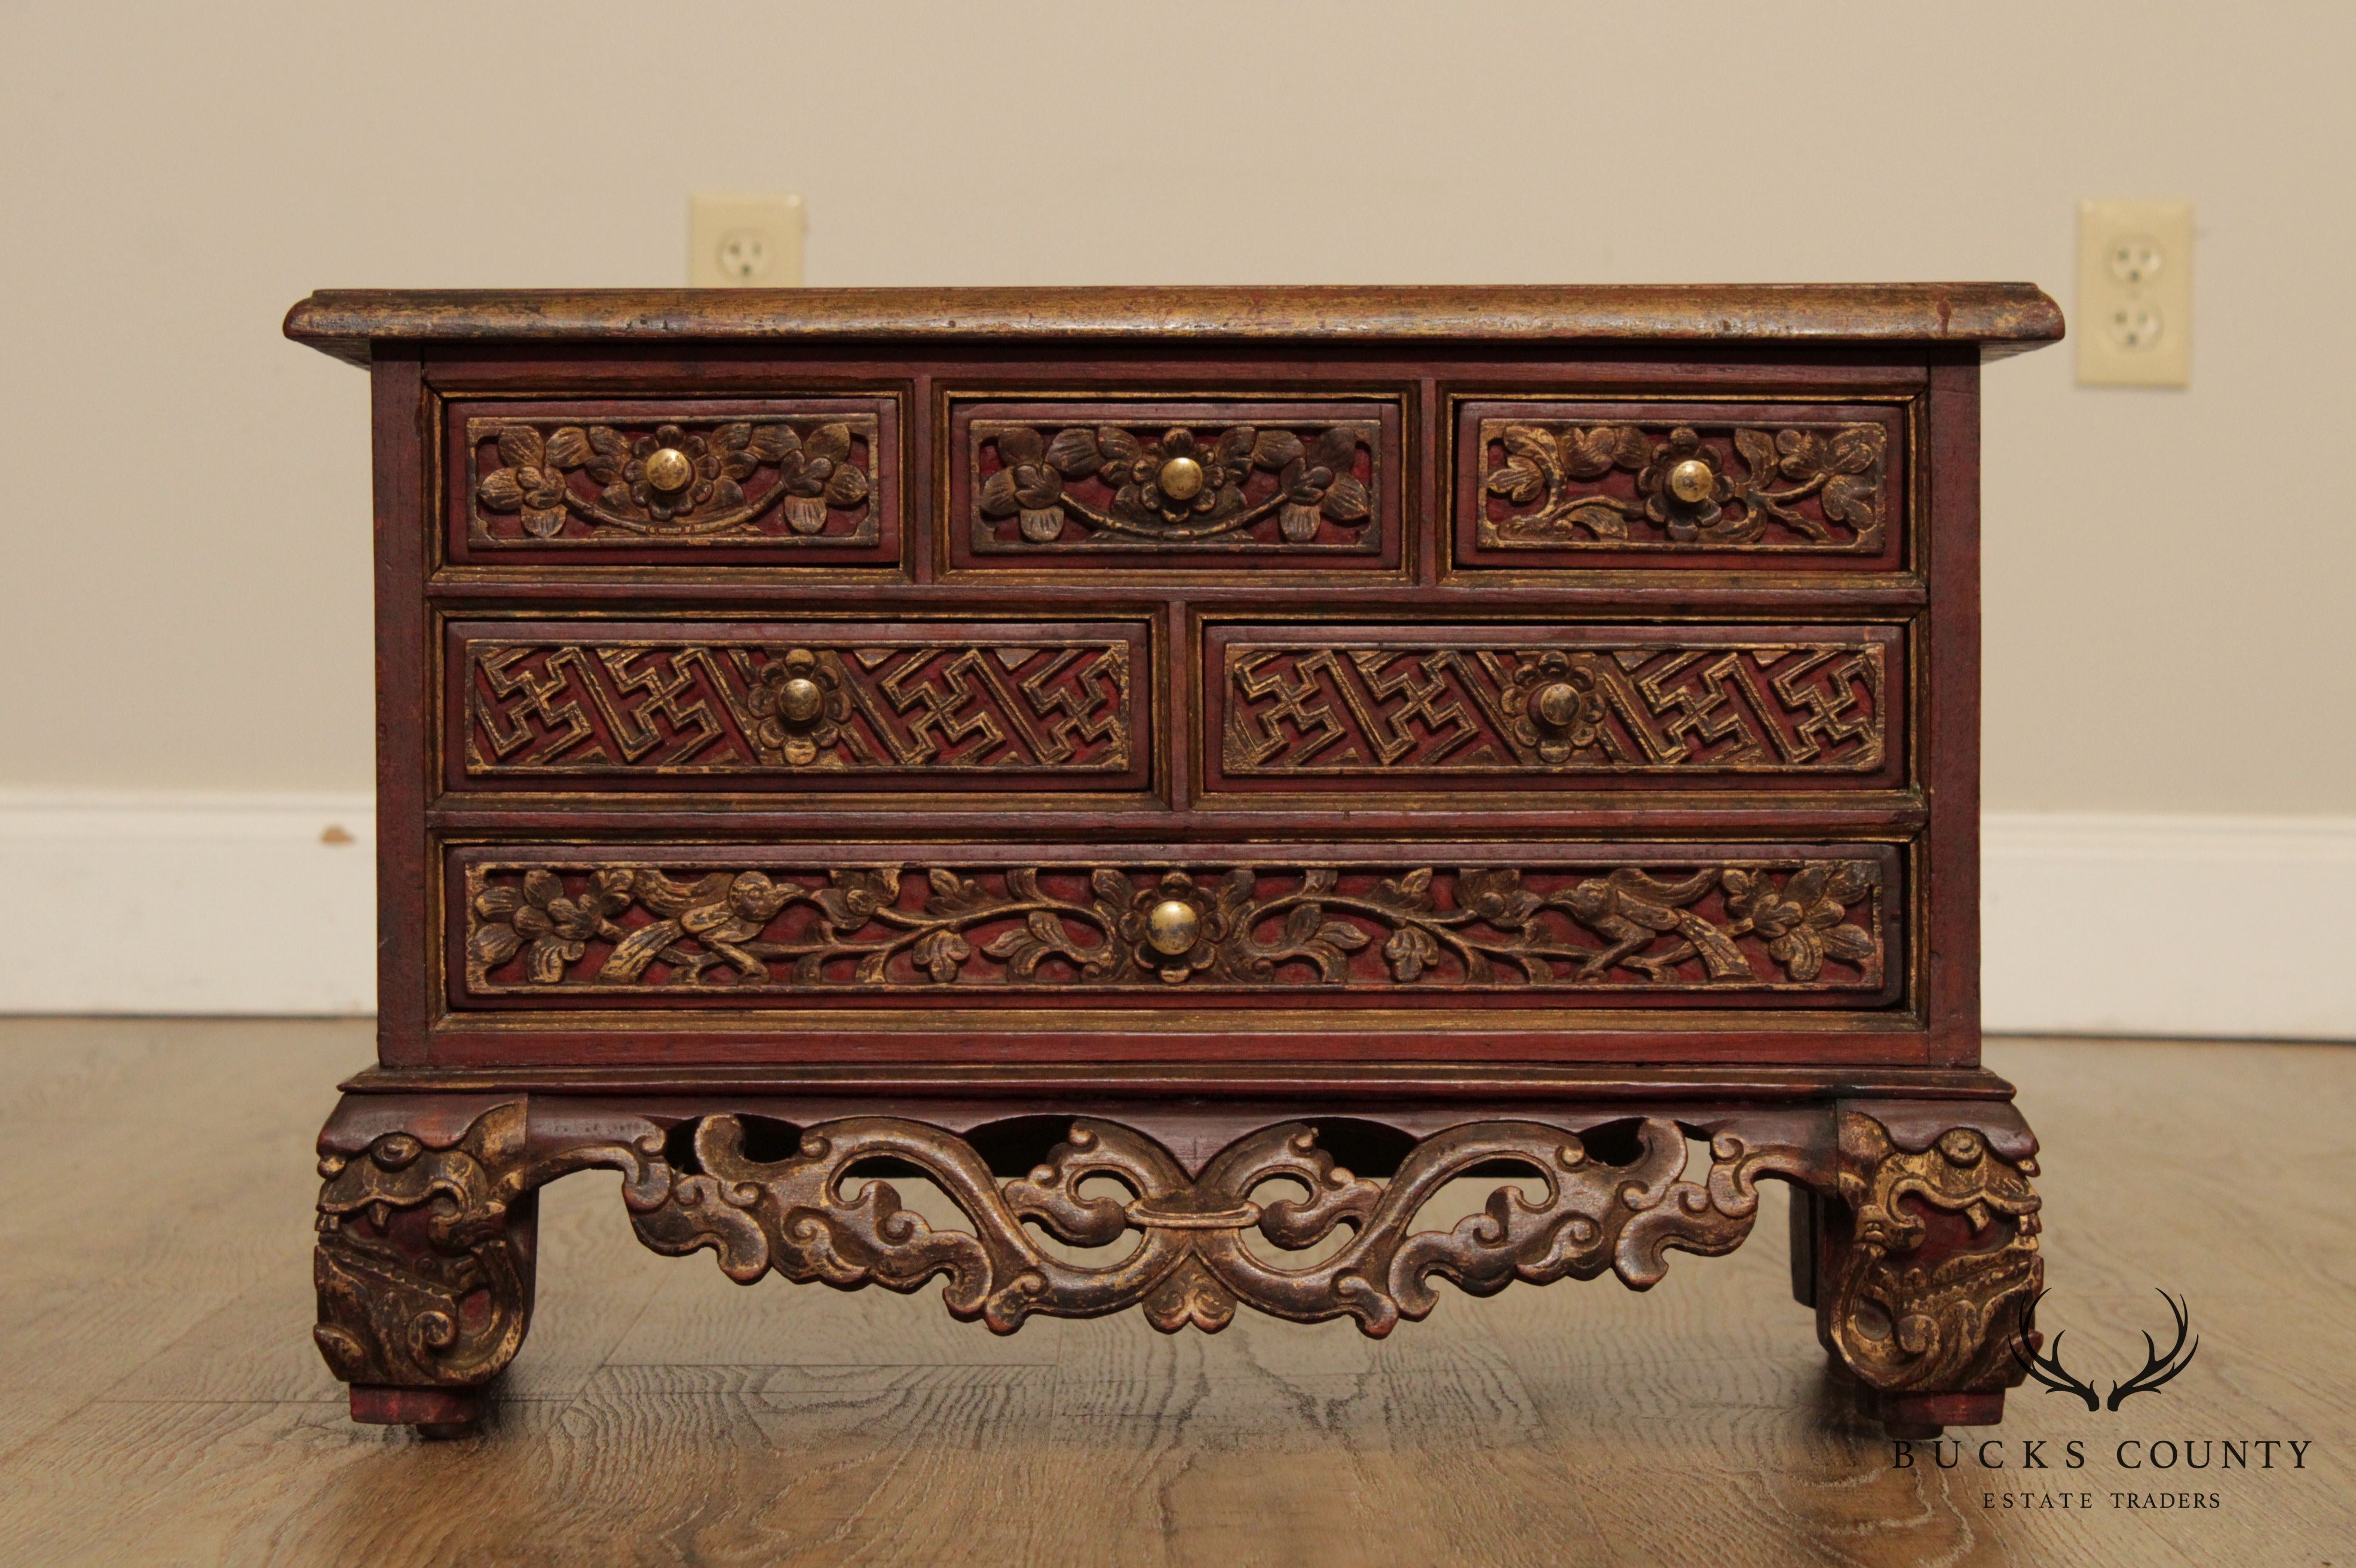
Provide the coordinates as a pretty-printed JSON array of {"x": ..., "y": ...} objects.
[
  {"x": 797, "y": 705},
  {"x": 1458, "y": 925},
  {"x": 1520, "y": 707}
]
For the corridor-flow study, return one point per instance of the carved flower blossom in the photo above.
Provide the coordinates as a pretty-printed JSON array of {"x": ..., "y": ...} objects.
[
  {"x": 1028, "y": 484},
  {"x": 815, "y": 472},
  {"x": 1174, "y": 927},
  {"x": 1803, "y": 921},
  {"x": 1496, "y": 895},
  {"x": 712, "y": 477},
  {"x": 533, "y": 481},
  {"x": 800, "y": 704},
  {"x": 541, "y": 916},
  {"x": 1685, "y": 484},
  {"x": 1554, "y": 703}
]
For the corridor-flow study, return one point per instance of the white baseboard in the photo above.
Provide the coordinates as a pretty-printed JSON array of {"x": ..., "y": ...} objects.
[
  {"x": 2239, "y": 926},
  {"x": 2231, "y": 927},
  {"x": 238, "y": 905}
]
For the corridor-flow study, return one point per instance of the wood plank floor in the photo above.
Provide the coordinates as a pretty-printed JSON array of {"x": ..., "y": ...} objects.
[{"x": 160, "y": 1401}]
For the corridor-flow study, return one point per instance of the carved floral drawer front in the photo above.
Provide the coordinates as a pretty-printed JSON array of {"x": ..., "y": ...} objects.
[
  {"x": 781, "y": 480},
  {"x": 1452, "y": 925},
  {"x": 1520, "y": 707},
  {"x": 1661, "y": 485},
  {"x": 1191, "y": 484},
  {"x": 798, "y": 705}
]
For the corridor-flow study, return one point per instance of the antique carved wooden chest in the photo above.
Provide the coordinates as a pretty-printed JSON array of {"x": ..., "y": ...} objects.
[{"x": 1278, "y": 750}]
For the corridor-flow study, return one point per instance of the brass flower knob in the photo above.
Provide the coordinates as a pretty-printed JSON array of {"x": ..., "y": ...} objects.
[
  {"x": 670, "y": 469},
  {"x": 1180, "y": 479},
  {"x": 1171, "y": 927},
  {"x": 1691, "y": 481},
  {"x": 1556, "y": 705},
  {"x": 799, "y": 701}
]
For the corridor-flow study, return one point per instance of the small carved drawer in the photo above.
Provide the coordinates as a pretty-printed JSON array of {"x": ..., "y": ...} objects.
[
  {"x": 1553, "y": 485},
  {"x": 1506, "y": 707},
  {"x": 1445, "y": 926},
  {"x": 1175, "y": 486},
  {"x": 797, "y": 706},
  {"x": 772, "y": 481}
]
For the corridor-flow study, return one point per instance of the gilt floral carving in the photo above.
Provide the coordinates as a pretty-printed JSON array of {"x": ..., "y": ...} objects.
[
  {"x": 684, "y": 480},
  {"x": 1549, "y": 483},
  {"x": 1791, "y": 925},
  {"x": 1239, "y": 487}
]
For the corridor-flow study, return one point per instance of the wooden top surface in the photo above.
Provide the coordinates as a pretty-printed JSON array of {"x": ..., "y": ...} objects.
[{"x": 2001, "y": 318}]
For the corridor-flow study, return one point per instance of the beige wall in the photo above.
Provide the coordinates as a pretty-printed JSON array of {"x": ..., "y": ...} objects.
[{"x": 185, "y": 597}]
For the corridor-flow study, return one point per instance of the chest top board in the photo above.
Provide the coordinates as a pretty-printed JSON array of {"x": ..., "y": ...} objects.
[{"x": 1183, "y": 718}]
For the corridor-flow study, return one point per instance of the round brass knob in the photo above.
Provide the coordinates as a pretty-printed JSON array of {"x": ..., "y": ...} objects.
[
  {"x": 1556, "y": 706},
  {"x": 669, "y": 468},
  {"x": 799, "y": 700},
  {"x": 1181, "y": 478},
  {"x": 1171, "y": 926},
  {"x": 1691, "y": 481}
]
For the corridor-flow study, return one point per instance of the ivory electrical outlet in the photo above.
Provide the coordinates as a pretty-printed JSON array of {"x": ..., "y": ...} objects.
[
  {"x": 2135, "y": 294},
  {"x": 744, "y": 241}
]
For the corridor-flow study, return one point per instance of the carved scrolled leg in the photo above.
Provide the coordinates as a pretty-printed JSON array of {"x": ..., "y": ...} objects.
[
  {"x": 424, "y": 1258},
  {"x": 1927, "y": 1261}
]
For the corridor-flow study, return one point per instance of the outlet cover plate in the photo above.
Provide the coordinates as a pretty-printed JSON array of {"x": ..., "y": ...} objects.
[
  {"x": 744, "y": 241},
  {"x": 2135, "y": 294}
]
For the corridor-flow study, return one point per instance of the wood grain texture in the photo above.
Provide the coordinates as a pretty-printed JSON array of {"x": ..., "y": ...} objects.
[
  {"x": 661, "y": 1414},
  {"x": 1998, "y": 316}
]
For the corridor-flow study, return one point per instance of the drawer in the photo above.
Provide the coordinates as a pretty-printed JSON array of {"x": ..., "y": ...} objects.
[
  {"x": 1075, "y": 484},
  {"x": 789, "y": 481},
  {"x": 1590, "y": 484},
  {"x": 797, "y": 706},
  {"x": 1505, "y": 707},
  {"x": 1451, "y": 926}
]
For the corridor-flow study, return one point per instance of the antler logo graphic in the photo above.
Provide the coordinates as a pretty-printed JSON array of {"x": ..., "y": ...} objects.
[{"x": 2048, "y": 1369}]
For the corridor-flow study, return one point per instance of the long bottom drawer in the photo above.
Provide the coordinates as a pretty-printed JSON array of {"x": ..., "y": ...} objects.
[{"x": 1451, "y": 925}]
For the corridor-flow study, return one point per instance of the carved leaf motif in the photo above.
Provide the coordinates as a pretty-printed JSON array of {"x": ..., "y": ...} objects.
[
  {"x": 1529, "y": 441},
  {"x": 998, "y": 493},
  {"x": 568, "y": 447},
  {"x": 846, "y": 486},
  {"x": 1518, "y": 479},
  {"x": 1411, "y": 891},
  {"x": 520, "y": 446},
  {"x": 1345, "y": 499},
  {"x": 1073, "y": 453},
  {"x": 1335, "y": 448},
  {"x": 1274, "y": 449},
  {"x": 1758, "y": 448},
  {"x": 1850, "y": 500},
  {"x": 831, "y": 441},
  {"x": 500, "y": 490}
]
